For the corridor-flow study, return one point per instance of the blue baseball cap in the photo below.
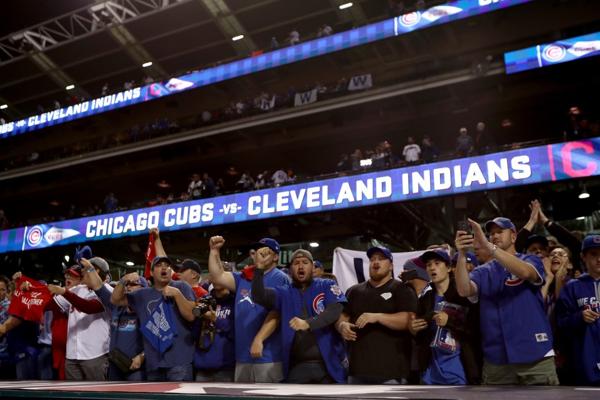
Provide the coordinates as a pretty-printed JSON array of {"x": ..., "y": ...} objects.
[
  {"x": 435, "y": 254},
  {"x": 268, "y": 242},
  {"x": 590, "y": 242},
  {"x": 318, "y": 264},
  {"x": 158, "y": 259},
  {"x": 383, "y": 250},
  {"x": 503, "y": 223},
  {"x": 471, "y": 258}
]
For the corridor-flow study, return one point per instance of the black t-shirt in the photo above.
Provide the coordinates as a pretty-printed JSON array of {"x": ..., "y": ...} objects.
[{"x": 380, "y": 352}]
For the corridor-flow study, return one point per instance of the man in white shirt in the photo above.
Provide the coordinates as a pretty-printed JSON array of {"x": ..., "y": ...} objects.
[
  {"x": 412, "y": 151},
  {"x": 88, "y": 334}
]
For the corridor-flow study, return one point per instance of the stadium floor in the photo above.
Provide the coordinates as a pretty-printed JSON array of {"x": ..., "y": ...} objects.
[{"x": 174, "y": 390}]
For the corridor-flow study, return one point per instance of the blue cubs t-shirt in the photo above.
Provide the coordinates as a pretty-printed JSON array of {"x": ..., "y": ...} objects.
[
  {"x": 445, "y": 367},
  {"x": 124, "y": 326},
  {"x": 249, "y": 318},
  {"x": 144, "y": 301}
]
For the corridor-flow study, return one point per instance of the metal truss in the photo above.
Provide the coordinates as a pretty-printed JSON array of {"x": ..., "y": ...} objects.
[{"x": 79, "y": 23}]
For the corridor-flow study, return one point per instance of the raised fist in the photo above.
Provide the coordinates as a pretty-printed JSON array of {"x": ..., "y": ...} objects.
[{"x": 216, "y": 242}]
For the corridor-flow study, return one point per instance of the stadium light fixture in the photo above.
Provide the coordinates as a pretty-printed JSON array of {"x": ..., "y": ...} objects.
[
  {"x": 313, "y": 244},
  {"x": 147, "y": 64},
  {"x": 3, "y": 106},
  {"x": 67, "y": 258},
  {"x": 580, "y": 218},
  {"x": 345, "y": 5},
  {"x": 238, "y": 37},
  {"x": 129, "y": 263},
  {"x": 584, "y": 193},
  {"x": 70, "y": 87}
]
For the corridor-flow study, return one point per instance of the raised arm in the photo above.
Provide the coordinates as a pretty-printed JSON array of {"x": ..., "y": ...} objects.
[
  {"x": 215, "y": 267},
  {"x": 464, "y": 285},
  {"x": 510, "y": 262}
]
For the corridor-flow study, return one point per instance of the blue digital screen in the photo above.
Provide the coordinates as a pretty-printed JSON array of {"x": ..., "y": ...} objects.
[
  {"x": 493, "y": 171},
  {"x": 544, "y": 55},
  {"x": 436, "y": 15}
]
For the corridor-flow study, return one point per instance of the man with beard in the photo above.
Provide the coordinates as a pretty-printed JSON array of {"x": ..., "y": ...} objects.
[
  {"x": 375, "y": 323},
  {"x": 313, "y": 352},
  {"x": 168, "y": 342},
  {"x": 516, "y": 334}
]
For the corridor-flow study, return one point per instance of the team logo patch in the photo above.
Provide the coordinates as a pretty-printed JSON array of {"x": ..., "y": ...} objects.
[
  {"x": 554, "y": 53},
  {"x": 335, "y": 289},
  {"x": 410, "y": 19},
  {"x": 541, "y": 337},
  {"x": 513, "y": 281},
  {"x": 318, "y": 303},
  {"x": 35, "y": 236}
]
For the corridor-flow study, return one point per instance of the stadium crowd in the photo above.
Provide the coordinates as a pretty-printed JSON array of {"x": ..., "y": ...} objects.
[{"x": 500, "y": 306}]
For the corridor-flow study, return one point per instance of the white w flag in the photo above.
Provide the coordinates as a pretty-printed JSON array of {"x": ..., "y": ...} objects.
[
  {"x": 360, "y": 82},
  {"x": 267, "y": 105},
  {"x": 351, "y": 267},
  {"x": 305, "y": 98}
]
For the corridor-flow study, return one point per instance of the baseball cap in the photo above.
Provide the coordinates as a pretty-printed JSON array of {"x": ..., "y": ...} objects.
[
  {"x": 188, "y": 263},
  {"x": 74, "y": 270},
  {"x": 435, "y": 254},
  {"x": 536, "y": 239},
  {"x": 301, "y": 253},
  {"x": 471, "y": 258},
  {"x": 267, "y": 242},
  {"x": 383, "y": 250},
  {"x": 318, "y": 264},
  {"x": 158, "y": 259},
  {"x": 590, "y": 242},
  {"x": 503, "y": 223},
  {"x": 414, "y": 269},
  {"x": 99, "y": 263}
]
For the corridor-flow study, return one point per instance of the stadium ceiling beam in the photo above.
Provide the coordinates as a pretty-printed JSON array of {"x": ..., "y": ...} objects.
[
  {"x": 57, "y": 74},
  {"x": 113, "y": 15},
  {"x": 230, "y": 26},
  {"x": 77, "y": 24}
]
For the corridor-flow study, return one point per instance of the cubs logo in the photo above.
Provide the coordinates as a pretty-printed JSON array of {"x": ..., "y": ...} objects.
[
  {"x": 554, "y": 53},
  {"x": 35, "y": 236},
  {"x": 318, "y": 303},
  {"x": 335, "y": 289},
  {"x": 410, "y": 19},
  {"x": 513, "y": 280}
]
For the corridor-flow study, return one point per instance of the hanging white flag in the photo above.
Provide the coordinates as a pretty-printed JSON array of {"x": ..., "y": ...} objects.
[
  {"x": 360, "y": 82},
  {"x": 305, "y": 98},
  {"x": 351, "y": 267}
]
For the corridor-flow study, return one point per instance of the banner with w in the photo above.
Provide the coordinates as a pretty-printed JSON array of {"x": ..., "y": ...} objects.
[
  {"x": 360, "y": 82},
  {"x": 351, "y": 267},
  {"x": 305, "y": 98}
]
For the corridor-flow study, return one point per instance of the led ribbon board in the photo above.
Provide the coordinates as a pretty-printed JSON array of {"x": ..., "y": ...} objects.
[
  {"x": 544, "y": 55},
  {"x": 437, "y": 15},
  {"x": 493, "y": 171}
]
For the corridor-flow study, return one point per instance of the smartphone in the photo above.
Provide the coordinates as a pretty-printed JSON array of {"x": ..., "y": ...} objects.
[{"x": 463, "y": 225}]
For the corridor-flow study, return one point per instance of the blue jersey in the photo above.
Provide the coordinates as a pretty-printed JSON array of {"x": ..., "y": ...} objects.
[
  {"x": 249, "y": 318},
  {"x": 293, "y": 302},
  {"x": 144, "y": 301},
  {"x": 578, "y": 295},
  {"x": 514, "y": 325}
]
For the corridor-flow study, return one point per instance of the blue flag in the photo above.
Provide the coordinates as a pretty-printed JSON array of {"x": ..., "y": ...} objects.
[{"x": 159, "y": 329}]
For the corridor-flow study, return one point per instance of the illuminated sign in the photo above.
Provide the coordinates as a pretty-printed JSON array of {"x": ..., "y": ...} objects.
[
  {"x": 436, "y": 15},
  {"x": 547, "y": 54},
  {"x": 493, "y": 171}
]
